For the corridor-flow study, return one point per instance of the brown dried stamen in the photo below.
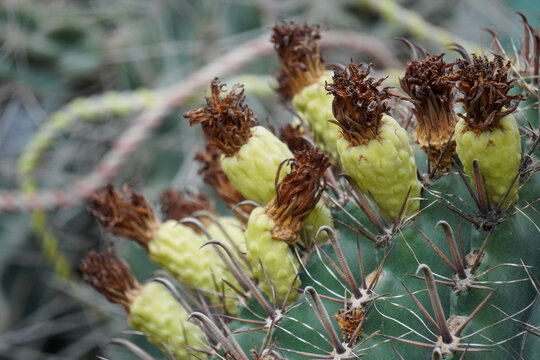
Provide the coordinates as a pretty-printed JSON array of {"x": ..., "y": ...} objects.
[
  {"x": 110, "y": 276},
  {"x": 226, "y": 121},
  {"x": 299, "y": 55},
  {"x": 430, "y": 83},
  {"x": 292, "y": 136},
  {"x": 348, "y": 322},
  {"x": 359, "y": 103},
  {"x": 298, "y": 193},
  {"x": 214, "y": 176},
  {"x": 485, "y": 85},
  {"x": 175, "y": 206},
  {"x": 130, "y": 217}
]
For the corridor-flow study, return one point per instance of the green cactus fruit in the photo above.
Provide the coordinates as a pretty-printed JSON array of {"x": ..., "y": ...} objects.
[
  {"x": 384, "y": 169},
  {"x": 498, "y": 153},
  {"x": 487, "y": 131},
  {"x": 314, "y": 105},
  {"x": 253, "y": 168},
  {"x": 252, "y": 157},
  {"x": 151, "y": 308},
  {"x": 156, "y": 313},
  {"x": 374, "y": 149},
  {"x": 271, "y": 256}
]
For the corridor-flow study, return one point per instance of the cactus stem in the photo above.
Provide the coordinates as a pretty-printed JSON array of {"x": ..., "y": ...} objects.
[
  {"x": 480, "y": 255},
  {"x": 365, "y": 232},
  {"x": 324, "y": 319},
  {"x": 420, "y": 306},
  {"x": 473, "y": 314},
  {"x": 437, "y": 250}
]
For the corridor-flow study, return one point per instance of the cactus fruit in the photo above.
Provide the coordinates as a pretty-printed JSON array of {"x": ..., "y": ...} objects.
[
  {"x": 374, "y": 149},
  {"x": 151, "y": 308},
  {"x": 172, "y": 245},
  {"x": 271, "y": 230},
  {"x": 251, "y": 158},
  {"x": 448, "y": 270},
  {"x": 488, "y": 131},
  {"x": 302, "y": 79}
]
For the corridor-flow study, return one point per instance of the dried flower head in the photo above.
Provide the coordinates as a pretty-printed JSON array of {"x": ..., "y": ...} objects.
[
  {"x": 292, "y": 136},
  {"x": 348, "y": 322},
  {"x": 298, "y": 193},
  {"x": 227, "y": 120},
  {"x": 110, "y": 276},
  {"x": 359, "y": 103},
  {"x": 430, "y": 83},
  {"x": 485, "y": 85},
  {"x": 129, "y": 217},
  {"x": 175, "y": 206},
  {"x": 299, "y": 55},
  {"x": 214, "y": 176}
]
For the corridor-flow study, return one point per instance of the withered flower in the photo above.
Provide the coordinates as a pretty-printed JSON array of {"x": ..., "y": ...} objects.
[
  {"x": 359, "y": 103},
  {"x": 348, "y": 322},
  {"x": 292, "y": 136},
  {"x": 110, "y": 276},
  {"x": 299, "y": 55},
  {"x": 298, "y": 193},
  {"x": 214, "y": 176},
  {"x": 129, "y": 217},
  {"x": 430, "y": 83},
  {"x": 227, "y": 120},
  {"x": 175, "y": 206},
  {"x": 485, "y": 85}
]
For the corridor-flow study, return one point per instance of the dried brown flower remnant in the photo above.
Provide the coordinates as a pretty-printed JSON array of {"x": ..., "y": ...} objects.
[
  {"x": 299, "y": 55},
  {"x": 292, "y": 136},
  {"x": 175, "y": 206},
  {"x": 348, "y": 322},
  {"x": 227, "y": 120},
  {"x": 359, "y": 103},
  {"x": 430, "y": 83},
  {"x": 130, "y": 217},
  {"x": 110, "y": 276},
  {"x": 485, "y": 85},
  {"x": 214, "y": 176},
  {"x": 298, "y": 193}
]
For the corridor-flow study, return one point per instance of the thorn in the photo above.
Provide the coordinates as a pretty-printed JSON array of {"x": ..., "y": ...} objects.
[
  {"x": 452, "y": 245},
  {"x": 436, "y": 304}
]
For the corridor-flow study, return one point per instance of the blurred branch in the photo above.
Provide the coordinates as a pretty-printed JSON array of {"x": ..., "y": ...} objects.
[
  {"x": 168, "y": 99},
  {"x": 398, "y": 15}
]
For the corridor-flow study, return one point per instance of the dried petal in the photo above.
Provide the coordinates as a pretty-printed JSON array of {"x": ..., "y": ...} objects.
[
  {"x": 359, "y": 103},
  {"x": 130, "y": 217},
  {"x": 485, "y": 85},
  {"x": 299, "y": 55},
  {"x": 226, "y": 121},
  {"x": 110, "y": 276},
  {"x": 298, "y": 193}
]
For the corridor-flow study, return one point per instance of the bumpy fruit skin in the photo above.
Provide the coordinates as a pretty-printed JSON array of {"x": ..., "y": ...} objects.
[
  {"x": 177, "y": 248},
  {"x": 318, "y": 217},
  {"x": 253, "y": 172},
  {"x": 279, "y": 263},
  {"x": 314, "y": 105},
  {"x": 234, "y": 229},
  {"x": 498, "y": 153},
  {"x": 384, "y": 168},
  {"x": 253, "y": 169},
  {"x": 156, "y": 313}
]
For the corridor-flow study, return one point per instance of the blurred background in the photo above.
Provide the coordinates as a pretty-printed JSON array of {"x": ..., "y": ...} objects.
[{"x": 92, "y": 92}]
